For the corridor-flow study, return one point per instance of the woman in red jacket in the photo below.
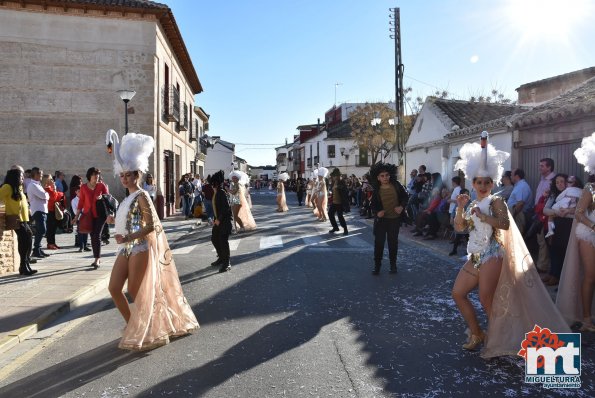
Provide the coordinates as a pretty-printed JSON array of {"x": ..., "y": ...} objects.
[
  {"x": 52, "y": 223},
  {"x": 90, "y": 193}
]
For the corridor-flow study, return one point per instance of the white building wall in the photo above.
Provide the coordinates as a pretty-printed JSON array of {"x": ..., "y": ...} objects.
[{"x": 219, "y": 158}]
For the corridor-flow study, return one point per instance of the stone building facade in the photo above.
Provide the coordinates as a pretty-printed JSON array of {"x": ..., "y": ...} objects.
[{"x": 63, "y": 62}]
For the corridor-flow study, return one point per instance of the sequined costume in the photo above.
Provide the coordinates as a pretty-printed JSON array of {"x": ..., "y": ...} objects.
[
  {"x": 520, "y": 301},
  {"x": 234, "y": 193},
  {"x": 160, "y": 310},
  {"x": 484, "y": 240}
]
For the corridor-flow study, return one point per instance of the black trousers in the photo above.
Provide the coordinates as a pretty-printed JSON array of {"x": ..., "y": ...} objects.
[
  {"x": 331, "y": 215},
  {"x": 300, "y": 197},
  {"x": 386, "y": 229},
  {"x": 96, "y": 236},
  {"x": 52, "y": 225},
  {"x": 220, "y": 239},
  {"x": 25, "y": 241}
]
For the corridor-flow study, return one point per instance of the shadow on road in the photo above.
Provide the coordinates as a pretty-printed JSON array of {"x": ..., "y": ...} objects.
[{"x": 66, "y": 376}]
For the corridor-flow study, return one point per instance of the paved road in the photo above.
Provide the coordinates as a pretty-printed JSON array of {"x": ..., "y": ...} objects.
[{"x": 299, "y": 315}]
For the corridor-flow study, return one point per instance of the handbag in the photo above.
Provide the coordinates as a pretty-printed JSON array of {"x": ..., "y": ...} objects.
[
  {"x": 58, "y": 213},
  {"x": 12, "y": 221},
  {"x": 85, "y": 223}
]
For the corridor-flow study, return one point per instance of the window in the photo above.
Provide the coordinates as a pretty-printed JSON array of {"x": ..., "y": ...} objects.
[
  {"x": 309, "y": 162},
  {"x": 330, "y": 151},
  {"x": 363, "y": 158}
]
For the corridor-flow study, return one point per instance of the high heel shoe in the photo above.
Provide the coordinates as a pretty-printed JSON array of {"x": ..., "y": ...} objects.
[
  {"x": 587, "y": 326},
  {"x": 474, "y": 342}
]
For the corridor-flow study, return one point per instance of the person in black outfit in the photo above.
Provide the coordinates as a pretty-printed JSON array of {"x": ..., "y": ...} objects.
[
  {"x": 389, "y": 198},
  {"x": 222, "y": 223},
  {"x": 339, "y": 202},
  {"x": 299, "y": 190}
]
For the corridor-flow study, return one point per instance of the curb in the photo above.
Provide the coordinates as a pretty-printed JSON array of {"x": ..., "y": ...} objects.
[{"x": 77, "y": 299}]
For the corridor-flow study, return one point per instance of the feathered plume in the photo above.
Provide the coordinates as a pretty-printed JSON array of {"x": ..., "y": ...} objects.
[
  {"x": 481, "y": 162},
  {"x": 132, "y": 152},
  {"x": 323, "y": 172},
  {"x": 585, "y": 155}
]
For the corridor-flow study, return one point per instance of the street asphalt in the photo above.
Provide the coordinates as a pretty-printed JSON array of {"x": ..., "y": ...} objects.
[{"x": 298, "y": 315}]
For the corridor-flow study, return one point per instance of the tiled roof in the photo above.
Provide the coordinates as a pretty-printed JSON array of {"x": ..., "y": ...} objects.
[
  {"x": 574, "y": 104},
  {"x": 465, "y": 113},
  {"x": 115, "y": 3}
]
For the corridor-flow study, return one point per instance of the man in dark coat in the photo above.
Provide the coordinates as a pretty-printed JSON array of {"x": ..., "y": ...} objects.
[
  {"x": 222, "y": 222},
  {"x": 339, "y": 202},
  {"x": 389, "y": 198}
]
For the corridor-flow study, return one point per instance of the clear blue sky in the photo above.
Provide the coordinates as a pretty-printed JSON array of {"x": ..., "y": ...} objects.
[{"x": 268, "y": 66}]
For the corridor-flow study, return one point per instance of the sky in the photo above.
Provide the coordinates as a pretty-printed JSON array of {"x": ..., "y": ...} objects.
[{"x": 268, "y": 66}]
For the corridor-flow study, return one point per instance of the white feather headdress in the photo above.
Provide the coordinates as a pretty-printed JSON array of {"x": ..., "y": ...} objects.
[
  {"x": 322, "y": 172},
  {"x": 242, "y": 177},
  {"x": 284, "y": 176},
  {"x": 131, "y": 153},
  {"x": 481, "y": 160},
  {"x": 585, "y": 155}
]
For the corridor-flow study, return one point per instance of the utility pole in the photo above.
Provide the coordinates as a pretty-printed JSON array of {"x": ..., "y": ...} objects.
[{"x": 395, "y": 29}]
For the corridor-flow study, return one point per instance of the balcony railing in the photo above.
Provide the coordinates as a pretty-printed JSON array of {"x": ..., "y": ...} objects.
[
  {"x": 170, "y": 98},
  {"x": 184, "y": 118}
]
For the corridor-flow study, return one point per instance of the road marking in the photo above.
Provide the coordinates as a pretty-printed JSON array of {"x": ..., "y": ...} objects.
[
  {"x": 267, "y": 242},
  {"x": 341, "y": 249},
  {"x": 183, "y": 249},
  {"x": 233, "y": 245},
  {"x": 315, "y": 240}
]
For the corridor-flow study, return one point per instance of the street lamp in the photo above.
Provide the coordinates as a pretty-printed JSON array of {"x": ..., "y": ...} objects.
[
  {"x": 126, "y": 96},
  {"x": 377, "y": 140}
]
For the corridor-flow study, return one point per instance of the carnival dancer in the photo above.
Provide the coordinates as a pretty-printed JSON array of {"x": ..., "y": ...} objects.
[
  {"x": 340, "y": 202},
  {"x": 321, "y": 195},
  {"x": 241, "y": 212},
  {"x": 499, "y": 263},
  {"x": 234, "y": 201},
  {"x": 159, "y": 310},
  {"x": 222, "y": 223},
  {"x": 575, "y": 298},
  {"x": 309, "y": 187},
  {"x": 389, "y": 198},
  {"x": 281, "y": 201},
  {"x": 315, "y": 190}
]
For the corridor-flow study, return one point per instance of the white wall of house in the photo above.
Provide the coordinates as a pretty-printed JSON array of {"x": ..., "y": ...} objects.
[{"x": 220, "y": 157}]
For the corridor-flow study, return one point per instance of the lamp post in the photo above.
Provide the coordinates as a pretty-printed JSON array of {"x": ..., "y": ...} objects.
[{"x": 126, "y": 96}]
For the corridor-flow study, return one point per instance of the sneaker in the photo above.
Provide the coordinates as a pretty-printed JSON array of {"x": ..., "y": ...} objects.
[{"x": 549, "y": 233}]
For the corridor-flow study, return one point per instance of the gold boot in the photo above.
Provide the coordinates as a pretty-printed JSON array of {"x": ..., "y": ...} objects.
[{"x": 474, "y": 342}]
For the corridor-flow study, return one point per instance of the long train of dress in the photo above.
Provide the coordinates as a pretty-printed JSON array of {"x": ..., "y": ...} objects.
[{"x": 160, "y": 310}]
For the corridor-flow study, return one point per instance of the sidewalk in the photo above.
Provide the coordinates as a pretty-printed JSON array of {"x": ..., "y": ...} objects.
[{"x": 64, "y": 281}]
